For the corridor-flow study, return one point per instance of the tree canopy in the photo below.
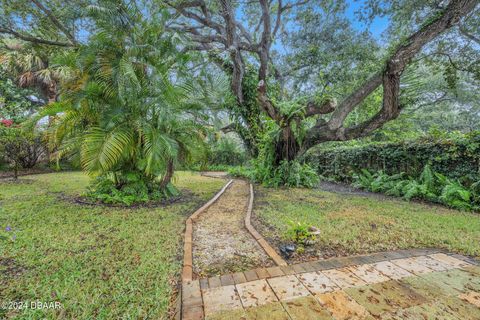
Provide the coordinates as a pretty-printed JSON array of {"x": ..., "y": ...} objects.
[{"x": 299, "y": 73}]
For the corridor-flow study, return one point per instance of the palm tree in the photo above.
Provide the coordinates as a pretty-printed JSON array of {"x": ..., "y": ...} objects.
[
  {"x": 152, "y": 145},
  {"x": 31, "y": 67},
  {"x": 123, "y": 109}
]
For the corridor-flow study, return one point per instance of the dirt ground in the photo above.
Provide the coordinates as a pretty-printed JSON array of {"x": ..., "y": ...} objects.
[{"x": 221, "y": 243}]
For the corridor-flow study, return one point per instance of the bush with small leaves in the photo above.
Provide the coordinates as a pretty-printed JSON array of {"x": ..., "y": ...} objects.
[{"x": 20, "y": 149}]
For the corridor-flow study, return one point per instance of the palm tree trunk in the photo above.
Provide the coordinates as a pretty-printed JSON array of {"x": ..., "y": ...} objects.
[
  {"x": 52, "y": 98},
  {"x": 168, "y": 175}
]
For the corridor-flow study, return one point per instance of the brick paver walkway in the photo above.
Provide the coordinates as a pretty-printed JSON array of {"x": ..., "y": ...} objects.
[{"x": 406, "y": 284}]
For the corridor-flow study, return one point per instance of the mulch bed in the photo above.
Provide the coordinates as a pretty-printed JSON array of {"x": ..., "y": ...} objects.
[{"x": 185, "y": 196}]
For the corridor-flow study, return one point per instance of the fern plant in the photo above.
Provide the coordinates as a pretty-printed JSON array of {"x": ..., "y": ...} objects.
[
  {"x": 363, "y": 179},
  {"x": 429, "y": 186},
  {"x": 455, "y": 195}
]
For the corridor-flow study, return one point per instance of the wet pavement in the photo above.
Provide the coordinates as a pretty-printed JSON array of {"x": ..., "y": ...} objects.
[{"x": 428, "y": 286}]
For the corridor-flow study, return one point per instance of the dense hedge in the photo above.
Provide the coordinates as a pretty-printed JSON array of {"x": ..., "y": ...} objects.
[{"x": 456, "y": 158}]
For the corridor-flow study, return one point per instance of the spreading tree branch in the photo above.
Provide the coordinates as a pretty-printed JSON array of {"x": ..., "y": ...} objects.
[
  {"x": 469, "y": 35},
  {"x": 206, "y": 20},
  {"x": 326, "y": 107},
  {"x": 32, "y": 39},
  {"x": 55, "y": 21},
  {"x": 334, "y": 129},
  {"x": 232, "y": 45}
]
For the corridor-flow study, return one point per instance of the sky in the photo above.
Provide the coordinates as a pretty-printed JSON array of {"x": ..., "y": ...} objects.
[{"x": 376, "y": 27}]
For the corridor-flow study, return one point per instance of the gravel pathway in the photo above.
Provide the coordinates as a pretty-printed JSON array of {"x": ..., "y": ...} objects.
[
  {"x": 221, "y": 243},
  {"x": 215, "y": 174}
]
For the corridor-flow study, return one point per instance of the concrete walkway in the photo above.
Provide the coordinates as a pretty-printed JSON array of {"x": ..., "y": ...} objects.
[{"x": 406, "y": 284}]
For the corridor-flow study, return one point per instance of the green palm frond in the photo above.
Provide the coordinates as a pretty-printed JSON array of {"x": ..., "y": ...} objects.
[
  {"x": 102, "y": 150},
  {"x": 69, "y": 148},
  {"x": 158, "y": 149}
]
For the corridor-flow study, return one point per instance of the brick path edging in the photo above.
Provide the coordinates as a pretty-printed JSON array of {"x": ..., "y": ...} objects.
[
  {"x": 258, "y": 237},
  {"x": 319, "y": 265},
  {"x": 187, "y": 272},
  {"x": 193, "y": 303}
]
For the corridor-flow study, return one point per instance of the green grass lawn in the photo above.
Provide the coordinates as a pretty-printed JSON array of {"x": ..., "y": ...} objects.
[
  {"x": 352, "y": 224},
  {"x": 98, "y": 262}
]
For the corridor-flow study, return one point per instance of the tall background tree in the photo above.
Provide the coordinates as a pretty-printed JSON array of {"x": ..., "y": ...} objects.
[
  {"x": 238, "y": 35},
  {"x": 301, "y": 73}
]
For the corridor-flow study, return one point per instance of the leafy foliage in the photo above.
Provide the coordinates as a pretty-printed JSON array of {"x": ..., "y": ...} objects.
[
  {"x": 455, "y": 157},
  {"x": 288, "y": 173},
  {"x": 227, "y": 151},
  {"x": 242, "y": 172},
  {"x": 31, "y": 66},
  {"x": 326, "y": 44},
  {"x": 248, "y": 116},
  {"x": 127, "y": 189},
  {"x": 14, "y": 102},
  {"x": 20, "y": 149},
  {"x": 430, "y": 186},
  {"x": 299, "y": 233}
]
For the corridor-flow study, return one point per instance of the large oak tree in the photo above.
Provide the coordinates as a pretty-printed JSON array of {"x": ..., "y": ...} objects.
[
  {"x": 242, "y": 38},
  {"x": 237, "y": 42}
]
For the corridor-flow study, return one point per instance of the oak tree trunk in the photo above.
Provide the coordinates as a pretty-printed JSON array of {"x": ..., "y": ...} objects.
[{"x": 286, "y": 147}]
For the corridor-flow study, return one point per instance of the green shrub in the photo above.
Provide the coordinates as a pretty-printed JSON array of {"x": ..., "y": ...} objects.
[
  {"x": 241, "y": 172},
  {"x": 429, "y": 186},
  {"x": 209, "y": 167},
  {"x": 288, "y": 174},
  {"x": 456, "y": 158},
  {"x": 227, "y": 151},
  {"x": 299, "y": 233},
  {"x": 294, "y": 174},
  {"x": 127, "y": 189},
  {"x": 20, "y": 149}
]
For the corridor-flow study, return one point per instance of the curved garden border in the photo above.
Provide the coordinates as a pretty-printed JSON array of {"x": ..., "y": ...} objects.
[
  {"x": 187, "y": 273},
  {"x": 261, "y": 241}
]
